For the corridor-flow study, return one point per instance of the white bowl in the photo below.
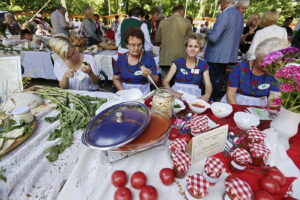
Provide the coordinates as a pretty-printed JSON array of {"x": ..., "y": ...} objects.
[
  {"x": 130, "y": 95},
  {"x": 179, "y": 102},
  {"x": 221, "y": 110},
  {"x": 197, "y": 109},
  {"x": 245, "y": 120}
]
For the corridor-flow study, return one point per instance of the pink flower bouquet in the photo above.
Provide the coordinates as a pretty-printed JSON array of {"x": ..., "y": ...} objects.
[{"x": 285, "y": 67}]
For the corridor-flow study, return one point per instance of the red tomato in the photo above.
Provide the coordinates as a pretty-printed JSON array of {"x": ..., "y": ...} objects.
[
  {"x": 119, "y": 178},
  {"x": 123, "y": 193},
  {"x": 262, "y": 195},
  {"x": 138, "y": 180},
  {"x": 186, "y": 137},
  {"x": 148, "y": 192},
  {"x": 269, "y": 185},
  {"x": 277, "y": 176},
  {"x": 173, "y": 134},
  {"x": 167, "y": 176}
]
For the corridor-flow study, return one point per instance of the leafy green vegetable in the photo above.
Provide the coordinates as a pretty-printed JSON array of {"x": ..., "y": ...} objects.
[
  {"x": 76, "y": 112},
  {"x": 177, "y": 106},
  {"x": 2, "y": 177}
]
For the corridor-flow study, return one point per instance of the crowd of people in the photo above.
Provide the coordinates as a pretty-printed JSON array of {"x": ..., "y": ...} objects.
[{"x": 192, "y": 60}]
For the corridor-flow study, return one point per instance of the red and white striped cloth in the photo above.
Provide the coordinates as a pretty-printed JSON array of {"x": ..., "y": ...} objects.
[
  {"x": 198, "y": 124},
  {"x": 237, "y": 188},
  {"x": 255, "y": 135},
  {"x": 179, "y": 144},
  {"x": 214, "y": 167},
  {"x": 241, "y": 155},
  {"x": 182, "y": 161},
  {"x": 259, "y": 151},
  {"x": 198, "y": 184}
]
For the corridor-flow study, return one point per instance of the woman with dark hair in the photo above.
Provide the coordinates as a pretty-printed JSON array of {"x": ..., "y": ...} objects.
[
  {"x": 154, "y": 22},
  {"x": 133, "y": 67}
]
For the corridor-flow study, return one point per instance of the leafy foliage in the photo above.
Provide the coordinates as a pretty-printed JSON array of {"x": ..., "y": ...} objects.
[
  {"x": 2, "y": 176},
  {"x": 76, "y": 112}
]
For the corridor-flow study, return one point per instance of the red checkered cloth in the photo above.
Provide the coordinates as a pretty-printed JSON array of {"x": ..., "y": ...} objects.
[
  {"x": 259, "y": 151},
  {"x": 241, "y": 155},
  {"x": 238, "y": 188},
  {"x": 198, "y": 124},
  {"x": 213, "y": 167},
  {"x": 182, "y": 161},
  {"x": 289, "y": 192},
  {"x": 178, "y": 145},
  {"x": 198, "y": 184},
  {"x": 255, "y": 135}
]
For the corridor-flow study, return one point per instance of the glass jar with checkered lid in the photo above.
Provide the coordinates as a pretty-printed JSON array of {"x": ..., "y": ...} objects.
[
  {"x": 213, "y": 169},
  {"x": 240, "y": 158},
  {"x": 236, "y": 189},
  {"x": 254, "y": 135},
  {"x": 181, "y": 164},
  {"x": 260, "y": 154},
  {"x": 197, "y": 187}
]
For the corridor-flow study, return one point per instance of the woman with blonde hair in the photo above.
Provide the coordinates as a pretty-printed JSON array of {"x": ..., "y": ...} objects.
[
  {"x": 248, "y": 84},
  {"x": 73, "y": 70},
  {"x": 249, "y": 31},
  {"x": 268, "y": 21},
  {"x": 89, "y": 27},
  {"x": 189, "y": 72},
  {"x": 13, "y": 27}
]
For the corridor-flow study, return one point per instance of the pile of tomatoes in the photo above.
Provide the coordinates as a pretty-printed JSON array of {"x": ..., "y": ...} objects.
[{"x": 138, "y": 180}]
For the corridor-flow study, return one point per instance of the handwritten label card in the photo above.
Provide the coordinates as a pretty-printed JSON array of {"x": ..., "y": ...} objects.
[{"x": 208, "y": 143}]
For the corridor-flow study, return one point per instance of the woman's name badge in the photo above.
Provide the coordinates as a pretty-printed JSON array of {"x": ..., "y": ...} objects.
[
  {"x": 195, "y": 71},
  {"x": 138, "y": 73},
  {"x": 184, "y": 71},
  {"x": 264, "y": 86}
]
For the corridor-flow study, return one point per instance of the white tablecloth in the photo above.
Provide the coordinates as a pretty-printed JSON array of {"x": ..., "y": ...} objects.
[
  {"x": 38, "y": 65},
  {"x": 104, "y": 61},
  {"x": 29, "y": 174}
]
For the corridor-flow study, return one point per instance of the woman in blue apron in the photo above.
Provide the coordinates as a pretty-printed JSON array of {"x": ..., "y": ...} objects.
[
  {"x": 248, "y": 84},
  {"x": 133, "y": 67},
  {"x": 189, "y": 72}
]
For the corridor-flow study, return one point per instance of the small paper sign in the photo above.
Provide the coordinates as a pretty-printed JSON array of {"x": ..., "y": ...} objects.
[
  {"x": 26, "y": 45},
  {"x": 208, "y": 143}
]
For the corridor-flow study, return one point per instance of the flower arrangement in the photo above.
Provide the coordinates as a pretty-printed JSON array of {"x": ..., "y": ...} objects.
[{"x": 284, "y": 65}]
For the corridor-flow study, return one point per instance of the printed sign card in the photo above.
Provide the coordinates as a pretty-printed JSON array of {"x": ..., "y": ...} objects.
[{"x": 208, "y": 143}]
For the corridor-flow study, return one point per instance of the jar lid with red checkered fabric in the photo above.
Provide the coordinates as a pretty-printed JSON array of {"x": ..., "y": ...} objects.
[
  {"x": 198, "y": 124},
  {"x": 255, "y": 135},
  {"x": 197, "y": 185},
  {"x": 182, "y": 161},
  {"x": 241, "y": 155},
  {"x": 237, "y": 188},
  {"x": 178, "y": 144},
  {"x": 213, "y": 167},
  {"x": 259, "y": 151}
]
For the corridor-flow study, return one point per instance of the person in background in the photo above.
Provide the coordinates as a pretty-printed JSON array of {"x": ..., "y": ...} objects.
[
  {"x": 74, "y": 70},
  {"x": 189, "y": 72},
  {"x": 242, "y": 5},
  {"x": 194, "y": 29},
  {"x": 100, "y": 26},
  {"x": 90, "y": 27},
  {"x": 13, "y": 27},
  {"x": 153, "y": 24},
  {"x": 171, "y": 33},
  {"x": 134, "y": 21},
  {"x": 223, "y": 44},
  {"x": 115, "y": 24},
  {"x": 248, "y": 84},
  {"x": 268, "y": 21},
  {"x": 287, "y": 22},
  {"x": 58, "y": 21},
  {"x": 204, "y": 28},
  {"x": 34, "y": 40},
  {"x": 133, "y": 67},
  {"x": 41, "y": 31},
  {"x": 249, "y": 32}
]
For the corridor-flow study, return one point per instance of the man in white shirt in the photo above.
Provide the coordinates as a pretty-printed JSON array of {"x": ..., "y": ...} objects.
[
  {"x": 134, "y": 21},
  {"x": 58, "y": 21}
]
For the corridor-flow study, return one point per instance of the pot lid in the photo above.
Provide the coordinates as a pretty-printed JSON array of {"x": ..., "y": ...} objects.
[{"x": 117, "y": 125}]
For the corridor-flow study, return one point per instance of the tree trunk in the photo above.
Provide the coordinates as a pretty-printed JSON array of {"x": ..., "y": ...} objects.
[{"x": 63, "y": 3}]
